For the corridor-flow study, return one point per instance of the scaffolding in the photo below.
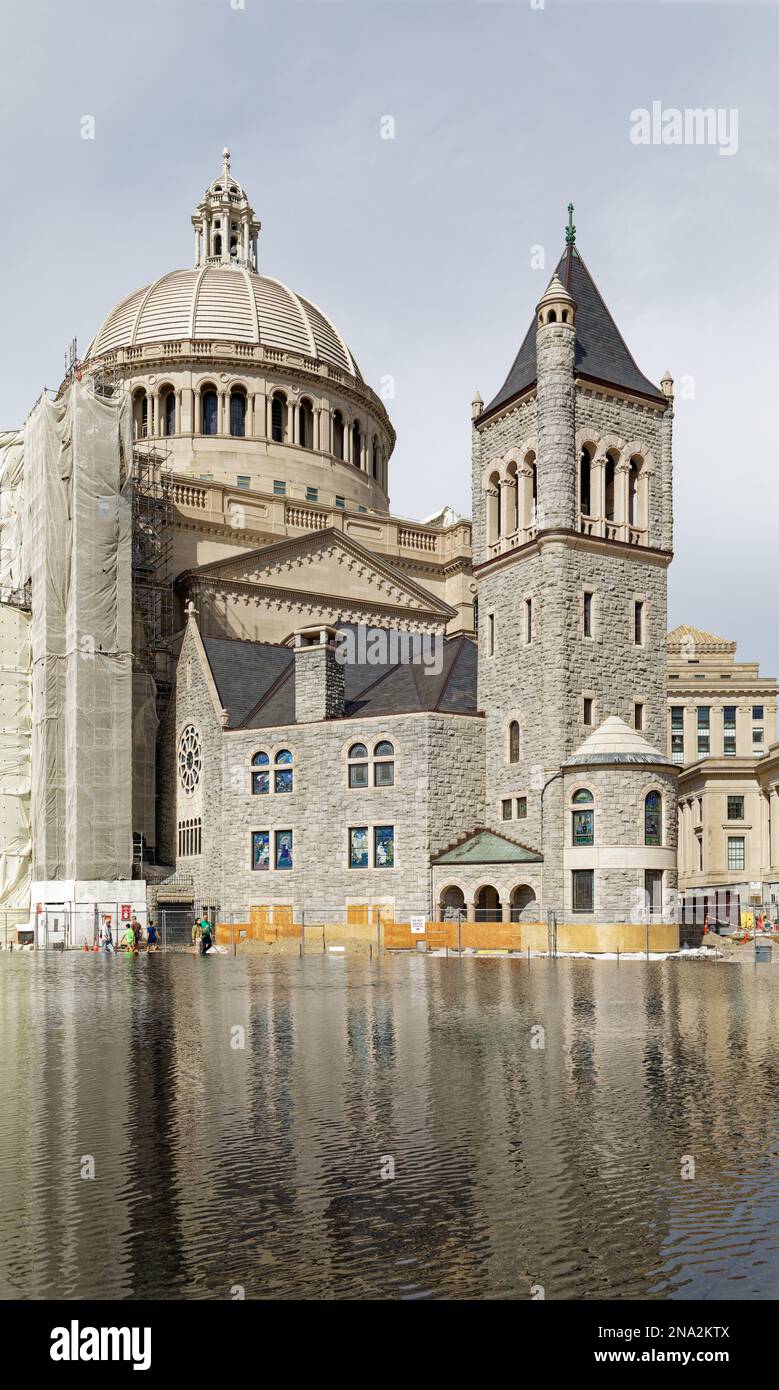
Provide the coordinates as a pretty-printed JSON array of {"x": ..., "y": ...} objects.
[{"x": 152, "y": 507}]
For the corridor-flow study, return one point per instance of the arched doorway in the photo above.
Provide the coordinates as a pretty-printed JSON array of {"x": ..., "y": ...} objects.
[
  {"x": 488, "y": 904},
  {"x": 451, "y": 905},
  {"x": 524, "y": 905}
]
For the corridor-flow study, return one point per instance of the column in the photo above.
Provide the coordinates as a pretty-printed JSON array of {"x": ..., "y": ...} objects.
[
  {"x": 292, "y": 421},
  {"x": 621, "y": 506},
  {"x": 598, "y": 494},
  {"x": 508, "y": 507},
  {"x": 197, "y": 246},
  {"x": 220, "y": 405},
  {"x": 492, "y": 516},
  {"x": 177, "y": 425}
]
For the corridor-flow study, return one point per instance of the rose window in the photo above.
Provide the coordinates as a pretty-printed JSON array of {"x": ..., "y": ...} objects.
[{"x": 190, "y": 760}]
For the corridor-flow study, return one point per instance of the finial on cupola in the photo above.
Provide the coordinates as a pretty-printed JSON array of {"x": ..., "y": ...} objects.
[
  {"x": 477, "y": 406},
  {"x": 667, "y": 385},
  {"x": 570, "y": 231}
]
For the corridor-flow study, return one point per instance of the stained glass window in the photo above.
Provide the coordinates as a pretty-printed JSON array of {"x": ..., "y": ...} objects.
[
  {"x": 260, "y": 849},
  {"x": 384, "y": 770},
  {"x": 283, "y": 771},
  {"x": 384, "y": 847},
  {"x": 584, "y": 827},
  {"x": 581, "y": 797},
  {"x": 358, "y": 847},
  {"x": 260, "y": 774},
  {"x": 653, "y": 807},
  {"x": 283, "y": 849},
  {"x": 513, "y": 741}
]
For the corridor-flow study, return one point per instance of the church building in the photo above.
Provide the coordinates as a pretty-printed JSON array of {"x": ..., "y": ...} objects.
[{"x": 306, "y": 701}]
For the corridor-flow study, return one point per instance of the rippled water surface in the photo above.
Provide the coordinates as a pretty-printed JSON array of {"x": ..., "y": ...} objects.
[{"x": 269, "y": 1165}]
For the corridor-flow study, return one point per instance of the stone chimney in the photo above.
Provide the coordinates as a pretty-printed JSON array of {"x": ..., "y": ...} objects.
[{"x": 319, "y": 676}]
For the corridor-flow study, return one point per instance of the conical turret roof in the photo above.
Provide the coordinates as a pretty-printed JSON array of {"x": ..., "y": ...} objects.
[{"x": 615, "y": 742}]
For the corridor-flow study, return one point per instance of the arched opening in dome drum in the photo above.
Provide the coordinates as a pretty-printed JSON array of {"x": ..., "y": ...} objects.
[
  {"x": 237, "y": 414},
  {"x": 375, "y": 459},
  {"x": 306, "y": 424},
  {"x": 140, "y": 415},
  {"x": 338, "y": 434},
  {"x": 278, "y": 418},
  {"x": 169, "y": 412},
  {"x": 356, "y": 445},
  {"x": 217, "y": 245},
  {"x": 209, "y": 412}
]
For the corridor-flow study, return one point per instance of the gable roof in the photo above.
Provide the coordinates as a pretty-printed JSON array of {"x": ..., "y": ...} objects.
[
  {"x": 487, "y": 847},
  {"x": 255, "y": 682},
  {"x": 684, "y": 635},
  {"x": 271, "y": 561},
  {"x": 615, "y": 742},
  {"x": 601, "y": 352}
]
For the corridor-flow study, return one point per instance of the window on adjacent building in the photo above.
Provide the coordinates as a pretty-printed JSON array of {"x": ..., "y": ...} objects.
[
  {"x": 757, "y": 739},
  {"x": 587, "y": 614},
  {"x": 677, "y": 733},
  {"x": 282, "y": 774},
  {"x": 638, "y": 623},
  {"x": 243, "y": 480},
  {"x": 638, "y": 716},
  {"x": 587, "y": 709},
  {"x": 735, "y": 808},
  {"x": 757, "y": 712},
  {"x": 340, "y": 501},
  {"x": 260, "y": 774},
  {"x": 736, "y": 855},
  {"x": 729, "y": 730},
  {"x": 704, "y": 731},
  {"x": 583, "y": 890},
  {"x": 521, "y": 808},
  {"x": 513, "y": 741},
  {"x": 279, "y": 488},
  {"x": 312, "y": 494},
  {"x": 506, "y": 809},
  {"x": 653, "y": 818}
]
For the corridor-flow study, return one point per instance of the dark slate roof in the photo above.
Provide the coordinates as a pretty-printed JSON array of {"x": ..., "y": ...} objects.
[
  {"x": 601, "y": 352},
  {"x": 487, "y": 847},
  {"x": 256, "y": 683}
]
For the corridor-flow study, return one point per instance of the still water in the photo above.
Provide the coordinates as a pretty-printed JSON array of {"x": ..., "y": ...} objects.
[{"x": 269, "y": 1165}]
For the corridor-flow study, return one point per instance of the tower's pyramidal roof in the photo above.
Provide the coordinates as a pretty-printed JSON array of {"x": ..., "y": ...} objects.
[{"x": 601, "y": 352}]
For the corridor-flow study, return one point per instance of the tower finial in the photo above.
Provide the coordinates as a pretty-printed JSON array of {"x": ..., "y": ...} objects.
[{"x": 570, "y": 231}]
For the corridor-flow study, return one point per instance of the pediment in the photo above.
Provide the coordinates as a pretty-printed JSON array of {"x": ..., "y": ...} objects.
[{"x": 326, "y": 564}]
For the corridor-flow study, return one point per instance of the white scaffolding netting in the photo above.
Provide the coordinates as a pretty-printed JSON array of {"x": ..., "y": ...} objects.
[
  {"x": 15, "y": 847},
  {"x": 77, "y": 463}
]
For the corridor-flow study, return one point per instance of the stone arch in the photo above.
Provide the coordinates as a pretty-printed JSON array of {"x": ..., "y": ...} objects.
[
  {"x": 655, "y": 785},
  {"x": 452, "y": 900},
  {"x": 487, "y": 905},
  {"x": 524, "y": 903}
]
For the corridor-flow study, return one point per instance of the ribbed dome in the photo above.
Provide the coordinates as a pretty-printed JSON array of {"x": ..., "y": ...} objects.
[{"x": 218, "y": 303}]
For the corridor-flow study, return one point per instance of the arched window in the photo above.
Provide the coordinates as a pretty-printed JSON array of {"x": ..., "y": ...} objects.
[
  {"x": 611, "y": 469},
  {"x": 633, "y": 492},
  {"x": 210, "y": 411},
  {"x": 452, "y": 905},
  {"x": 237, "y": 414},
  {"x": 282, "y": 780},
  {"x": 338, "y": 434},
  {"x": 534, "y": 509},
  {"x": 384, "y": 764},
  {"x": 358, "y": 765},
  {"x": 260, "y": 774},
  {"x": 653, "y": 818},
  {"x": 356, "y": 444},
  {"x": 584, "y": 483},
  {"x": 217, "y": 245},
  {"x": 306, "y": 424},
  {"x": 375, "y": 459},
  {"x": 513, "y": 741},
  {"x": 169, "y": 412},
  {"x": 583, "y": 820},
  {"x": 278, "y": 413},
  {"x": 140, "y": 415}
]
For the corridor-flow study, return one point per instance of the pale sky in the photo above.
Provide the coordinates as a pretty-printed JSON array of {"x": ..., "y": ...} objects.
[{"x": 419, "y": 248}]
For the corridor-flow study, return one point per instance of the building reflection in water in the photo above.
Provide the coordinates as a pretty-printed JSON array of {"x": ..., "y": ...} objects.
[{"x": 410, "y": 1128}]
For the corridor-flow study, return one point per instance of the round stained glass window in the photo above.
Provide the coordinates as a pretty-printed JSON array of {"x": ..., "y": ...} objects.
[{"x": 190, "y": 760}]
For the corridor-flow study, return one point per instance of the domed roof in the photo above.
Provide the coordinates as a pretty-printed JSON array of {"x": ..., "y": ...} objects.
[{"x": 222, "y": 303}]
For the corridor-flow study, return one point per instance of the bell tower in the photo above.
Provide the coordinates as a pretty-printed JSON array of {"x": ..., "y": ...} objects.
[{"x": 226, "y": 229}]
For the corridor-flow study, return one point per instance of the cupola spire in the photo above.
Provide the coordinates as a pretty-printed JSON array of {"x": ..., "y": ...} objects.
[{"x": 226, "y": 229}]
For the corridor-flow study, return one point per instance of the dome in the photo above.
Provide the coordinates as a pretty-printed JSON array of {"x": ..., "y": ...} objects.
[{"x": 221, "y": 303}]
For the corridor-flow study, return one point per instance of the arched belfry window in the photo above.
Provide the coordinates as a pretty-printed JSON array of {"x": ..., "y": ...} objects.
[
  {"x": 237, "y": 414},
  {"x": 514, "y": 741},
  {"x": 210, "y": 411},
  {"x": 611, "y": 470},
  {"x": 306, "y": 424},
  {"x": 278, "y": 411},
  {"x": 653, "y": 818},
  {"x": 338, "y": 434},
  {"x": 585, "y": 491},
  {"x": 170, "y": 412}
]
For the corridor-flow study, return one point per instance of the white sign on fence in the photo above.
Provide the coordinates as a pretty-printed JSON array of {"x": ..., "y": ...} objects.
[{"x": 418, "y": 926}]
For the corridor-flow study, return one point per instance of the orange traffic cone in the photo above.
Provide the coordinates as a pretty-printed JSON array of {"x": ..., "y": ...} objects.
[{"x": 85, "y": 947}]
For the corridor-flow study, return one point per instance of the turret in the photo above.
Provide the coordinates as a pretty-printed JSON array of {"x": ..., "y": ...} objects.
[
  {"x": 226, "y": 229},
  {"x": 555, "y": 359}
]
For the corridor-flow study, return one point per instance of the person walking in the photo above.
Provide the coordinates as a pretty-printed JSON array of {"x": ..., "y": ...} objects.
[
  {"x": 128, "y": 940},
  {"x": 106, "y": 937},
  {"x": 151, "y": 937},
  {"x": 205, "y": 936},
  {"x": 196, "y": 934},
  {"x": 137, "y": 932}
]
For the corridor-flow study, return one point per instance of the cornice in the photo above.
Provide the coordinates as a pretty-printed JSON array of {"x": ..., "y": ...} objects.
[
  {"x": 597, "y": 545},
  {"x": 239, "y": 590}
]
